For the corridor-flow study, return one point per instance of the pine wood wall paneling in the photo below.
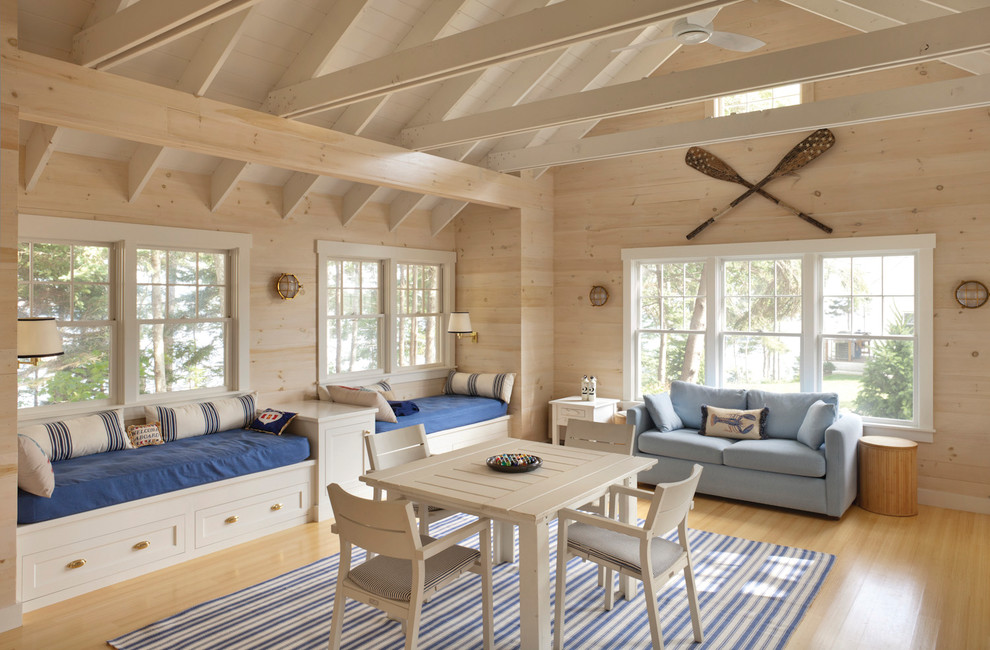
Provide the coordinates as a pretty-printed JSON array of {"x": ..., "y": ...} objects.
[
  {"x": 9, "y": 180},
  {"x": 283, "y": 332},
  {"x": 925, "y": 174}
]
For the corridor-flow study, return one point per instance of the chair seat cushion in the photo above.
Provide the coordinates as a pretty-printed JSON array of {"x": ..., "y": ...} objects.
[
  {"x": 776, "y": 455},
  {"x": 620, "y": 549},
  {"x": 686, "y": 444},
  {"x": 391, "y": 577}
]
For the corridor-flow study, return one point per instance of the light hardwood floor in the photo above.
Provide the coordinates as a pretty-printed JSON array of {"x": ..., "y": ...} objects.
[{"x": 899, "y": 583}]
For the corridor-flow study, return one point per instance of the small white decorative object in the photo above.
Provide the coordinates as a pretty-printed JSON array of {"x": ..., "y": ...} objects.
[{"x": 589, "y": 386}]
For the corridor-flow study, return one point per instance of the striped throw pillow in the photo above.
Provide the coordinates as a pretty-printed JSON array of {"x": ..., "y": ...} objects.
[
  {"x": 203, "y": 418},
  {"x": 480, "y": 384},
  {"x": 90, "y": 434}
]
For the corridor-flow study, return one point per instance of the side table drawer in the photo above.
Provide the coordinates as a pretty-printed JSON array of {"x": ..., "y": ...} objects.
[
  {"x": 565, "y": 413},
  {"x": 227, "y": 520},
  {"x": 75, "y": 564}
]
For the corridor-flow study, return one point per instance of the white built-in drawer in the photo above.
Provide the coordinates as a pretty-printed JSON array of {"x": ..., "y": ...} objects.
[
  {"x": 271, "y": 508},
  {"x": 80, "y": 562}
]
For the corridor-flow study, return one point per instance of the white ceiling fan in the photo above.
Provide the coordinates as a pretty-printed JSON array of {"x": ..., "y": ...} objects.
[{"x": 697, "y": 28}]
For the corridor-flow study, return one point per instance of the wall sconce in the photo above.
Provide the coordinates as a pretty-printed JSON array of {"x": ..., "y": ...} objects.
[
  {"x": 460, "y": 324},
  {"x": 37, "y": 338},
  {"x": 288, "y": 287}
]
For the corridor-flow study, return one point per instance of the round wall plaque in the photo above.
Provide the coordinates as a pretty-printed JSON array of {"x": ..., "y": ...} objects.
[
  {"x": 598, "y": 296},
  {"x": 971, "y": 294}
]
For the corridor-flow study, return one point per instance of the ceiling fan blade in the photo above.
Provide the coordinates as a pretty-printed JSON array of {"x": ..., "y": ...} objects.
[
  {"x": 644, "y": 44},
  {"x": 703, "y": 18},
  {"x": 735, "y": 42}
]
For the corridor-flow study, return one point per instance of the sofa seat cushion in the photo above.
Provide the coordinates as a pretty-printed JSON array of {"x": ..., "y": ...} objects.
[
  {"x": 688, "y": 399},
  {"x": 776, "y": 455},
  {"x": 787, "y": 410},
  {"x": 686, "y": 444}
]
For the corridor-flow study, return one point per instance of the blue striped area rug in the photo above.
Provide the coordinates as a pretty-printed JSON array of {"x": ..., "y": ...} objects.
[{"x": 751, "y": 595}]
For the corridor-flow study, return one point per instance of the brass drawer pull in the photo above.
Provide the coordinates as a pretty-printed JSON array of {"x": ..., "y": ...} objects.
[
  {"x": 232, "y": 519},
  {"x": 277, "y": 506},
  {"x": 75, "y": 564},
  {"x": 366, "y": 432},
  {"x": 140, "y": 546}
]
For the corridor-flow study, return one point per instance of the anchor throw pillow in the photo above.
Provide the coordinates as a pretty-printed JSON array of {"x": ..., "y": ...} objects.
[{"x": 734, "y": 423}]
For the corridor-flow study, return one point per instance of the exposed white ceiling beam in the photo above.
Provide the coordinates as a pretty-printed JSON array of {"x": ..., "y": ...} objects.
[
  {"x": 356, "y": 117},
  {"x": 146, "y": 25},
  {"x": 38, "y": 150},
  {"x": 867, "y": 20},
  {"x": 516, "y": 37},
  {"x": 917, "y": 42},
  {"x": 354, "y": 199},
  {"x": 310, "y": 60},
  {"x": 294, "y": 191},
  {"x": 141, "y": 167},
  {"x": 224, "y": 180},
  {"x": 911, "y": 101},
  {"x": 444, "y": 214},
  {"x": 212, "y": 53}
]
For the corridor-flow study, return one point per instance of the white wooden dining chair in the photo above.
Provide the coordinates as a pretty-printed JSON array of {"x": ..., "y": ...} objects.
[
  {"x": 407, "y": 567},
  {"x": 635, "y": 551},
  {"x": 396, "y": 447}
]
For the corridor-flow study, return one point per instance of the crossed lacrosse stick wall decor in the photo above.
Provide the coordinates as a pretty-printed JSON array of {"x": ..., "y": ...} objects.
[{"x": 803, "y": 153}]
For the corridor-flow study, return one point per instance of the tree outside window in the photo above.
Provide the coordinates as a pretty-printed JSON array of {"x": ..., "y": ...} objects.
[{"x": 70, "y": 282}]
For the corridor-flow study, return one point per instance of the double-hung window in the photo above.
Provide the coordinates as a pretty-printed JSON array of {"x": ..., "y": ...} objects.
[
  {"x": 851, "y": 316},
  {"x": 382, "y": 311},
  {"x": 146, "y": 313}
]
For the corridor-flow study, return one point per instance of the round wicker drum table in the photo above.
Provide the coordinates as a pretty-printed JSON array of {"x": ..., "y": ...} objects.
[{"x": 888, "y": 475}]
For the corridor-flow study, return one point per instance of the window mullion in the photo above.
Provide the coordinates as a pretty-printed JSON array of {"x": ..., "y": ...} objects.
[
  {"x": 811, "y": 322},
  {"x": 126, "y": 343},
  {"x": 715, "y": 305}
]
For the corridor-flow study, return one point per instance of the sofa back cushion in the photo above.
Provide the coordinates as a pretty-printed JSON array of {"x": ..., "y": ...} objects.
[
  {"x": 688, "y": 399},
  {"x": 787, "y": 410}
]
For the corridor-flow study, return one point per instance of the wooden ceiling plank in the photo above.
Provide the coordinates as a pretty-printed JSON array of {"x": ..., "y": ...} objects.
[
  {"x": 341, "y": 18},
  {"x": 223, "y": 181},
  {"x": 516, "y": 37},
  {"x": 212, "y": 53},
  {"x": 103, "y": 9},
  {"x": 937, "y": 97},
  {"x": 62, "y": 94},
  {"x": 146, "y": 25},
  {"x": 141, "y": 168},
  {"x": 37, "y": 151},
  {"x": 906, "y": 44},
  {"x": 959, "y": 5}
]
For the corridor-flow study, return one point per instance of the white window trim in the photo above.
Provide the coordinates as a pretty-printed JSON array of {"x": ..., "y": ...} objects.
[
  {"x": 389, "y": 256},
  {"x": 924, "y": 245},
  {"x": 125, "y": 239}
]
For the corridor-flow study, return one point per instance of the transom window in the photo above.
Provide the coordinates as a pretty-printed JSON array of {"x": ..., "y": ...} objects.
[
  {"x": 145, "y": 312},
  {"x": 758, "y": 100},
  {"x": 383, "y": 310},
  {"x": 788, "y": 316}
]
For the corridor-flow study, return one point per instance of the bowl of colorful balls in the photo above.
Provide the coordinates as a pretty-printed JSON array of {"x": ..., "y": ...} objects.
[{"x": 514, "y": 462}]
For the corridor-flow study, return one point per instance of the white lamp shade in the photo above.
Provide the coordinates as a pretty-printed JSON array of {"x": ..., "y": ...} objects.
[
  {"x": 460, "y": 323},
  {"x": 38, "y": 337}
]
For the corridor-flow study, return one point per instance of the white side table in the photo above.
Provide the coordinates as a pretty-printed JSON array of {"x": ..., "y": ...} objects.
[{"x": 601, "y": 409}]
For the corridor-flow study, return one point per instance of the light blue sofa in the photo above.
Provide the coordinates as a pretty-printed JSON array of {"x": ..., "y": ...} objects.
[{"x": 806, "y": 462}]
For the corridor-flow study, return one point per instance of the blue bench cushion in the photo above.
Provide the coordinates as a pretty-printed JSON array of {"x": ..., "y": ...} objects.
[
  {"x": 686, "y": 444},
  {"x": 440, "y": 412},
  {"x": 776, "y": 455},
  {"x": 114, "y": 477}
]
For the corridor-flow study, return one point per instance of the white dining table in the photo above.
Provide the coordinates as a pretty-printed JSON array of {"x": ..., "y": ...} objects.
[{"x": 461, "y": 480}]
